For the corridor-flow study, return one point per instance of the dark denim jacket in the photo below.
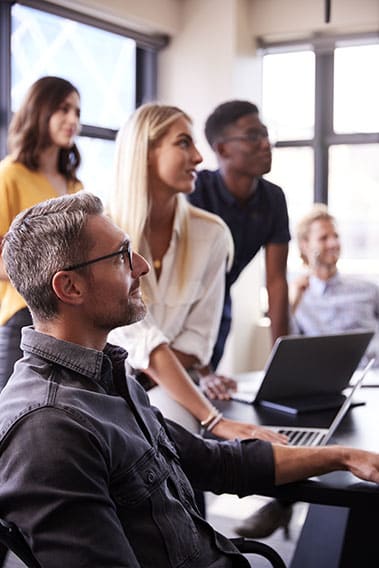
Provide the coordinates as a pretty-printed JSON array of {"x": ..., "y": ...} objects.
[{"x": 95, "y": 477}]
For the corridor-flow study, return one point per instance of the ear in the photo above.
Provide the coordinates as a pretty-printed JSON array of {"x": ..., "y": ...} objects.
[
  {"x": 303, "y": 247},
  {"x": 221, "y": 149},
  {"x": 69, "y": 287},
  {"x": 152, "y": 154}
]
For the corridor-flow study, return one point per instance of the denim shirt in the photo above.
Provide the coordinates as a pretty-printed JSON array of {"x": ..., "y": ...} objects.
[{"x": 94, "y": 476}]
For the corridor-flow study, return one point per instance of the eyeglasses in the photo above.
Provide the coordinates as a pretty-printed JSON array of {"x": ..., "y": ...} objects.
[
  {"x": 126, "y": 251},
  {"x": 254, "y": 136}
]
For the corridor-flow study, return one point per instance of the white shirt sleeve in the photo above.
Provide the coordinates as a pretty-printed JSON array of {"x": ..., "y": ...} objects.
[{"x": 139, "y": 340}]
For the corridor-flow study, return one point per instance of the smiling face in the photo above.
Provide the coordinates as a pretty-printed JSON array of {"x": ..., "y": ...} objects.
[
  {"x": 322, "y": 248},
  {"x": 245, "y": 148},
  {"x": 113, "y": 295},
  {"x": 64, "y": 123},
  {"x": 173, "y": 160}
]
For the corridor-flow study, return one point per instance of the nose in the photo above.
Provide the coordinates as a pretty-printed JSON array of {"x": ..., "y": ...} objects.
[
  {"x": 334, "y": 241},
  {"x": 74, "y": 118},
  {"x": 265, "y": 142},
  {"x": 140, "y": 265},
  {"x": 197, "y": 158}
]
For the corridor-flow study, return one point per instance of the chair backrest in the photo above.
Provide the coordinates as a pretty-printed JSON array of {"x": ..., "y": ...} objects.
[
  {"x": 250, "y": 546},
  {"x": 12, "y": 538}
]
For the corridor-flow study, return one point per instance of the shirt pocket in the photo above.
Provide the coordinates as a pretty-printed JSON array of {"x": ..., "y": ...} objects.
[{"x": 153, "y": 510}]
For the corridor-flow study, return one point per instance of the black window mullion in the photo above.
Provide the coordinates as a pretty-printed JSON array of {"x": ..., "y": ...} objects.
[
  {"x": 98, "y": 132},
  {"x": 324, "y": 85},
  {"x": 146, "y": 75}
]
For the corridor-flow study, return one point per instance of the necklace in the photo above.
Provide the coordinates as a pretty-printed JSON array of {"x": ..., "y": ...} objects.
[{"x": 157, "y": 264}]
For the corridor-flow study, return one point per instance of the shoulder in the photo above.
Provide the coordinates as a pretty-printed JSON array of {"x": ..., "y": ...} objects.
[
  {"x": 201, "y": 217},
  {"x": 10, "y": 169},
  {"x": 74, "y": 186},
  {"x": 270, "y": 189},
  {"x": 206, "y": 180},
  {"x": 212, "y": 230},
  {"x": 206, "y": 176},
  {"x": 358, "y": 284}
]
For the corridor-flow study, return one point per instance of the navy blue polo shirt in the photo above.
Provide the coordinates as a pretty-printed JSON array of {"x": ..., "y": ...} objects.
[{"x": 260, "y": 220}]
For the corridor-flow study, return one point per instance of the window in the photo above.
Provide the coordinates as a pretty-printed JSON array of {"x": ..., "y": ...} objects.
[
  {"x": 320, "y": 105},
  {"x": 106, "y": 63}
]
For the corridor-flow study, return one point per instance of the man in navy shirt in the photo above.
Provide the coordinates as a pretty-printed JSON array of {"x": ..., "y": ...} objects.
[
  {"x": 256, "y": 212},
  {"x": 254, "y": 209}
]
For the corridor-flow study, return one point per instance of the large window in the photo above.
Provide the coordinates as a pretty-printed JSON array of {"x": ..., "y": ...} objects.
[
  {"x": 113, "y": 69},
  {"x": 320, "y": 103}
]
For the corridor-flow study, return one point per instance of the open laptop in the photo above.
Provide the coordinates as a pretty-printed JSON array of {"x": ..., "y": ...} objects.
[
  {"x": 298, "y": 436},
  {"x": 307, "y": 373}
]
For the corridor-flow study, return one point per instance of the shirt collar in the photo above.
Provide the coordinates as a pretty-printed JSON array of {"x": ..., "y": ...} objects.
[
  {"x": 318, "y": 286},
  {"x": 88, "y": 362},
  {"x": 179, "y": 215},
  {"x": 229, "y": 197}
]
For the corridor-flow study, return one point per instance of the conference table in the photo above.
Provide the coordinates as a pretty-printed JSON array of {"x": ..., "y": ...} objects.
[{"x": 341, "y": 529}]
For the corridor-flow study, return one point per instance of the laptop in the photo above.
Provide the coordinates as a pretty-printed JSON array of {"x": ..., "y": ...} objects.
[
  {"x": 298, "y": 436},
  {"x": 307, "y": 373}
]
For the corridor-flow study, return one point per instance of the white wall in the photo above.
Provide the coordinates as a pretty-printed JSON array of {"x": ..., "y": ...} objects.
[{"x": 212, "y": 59}]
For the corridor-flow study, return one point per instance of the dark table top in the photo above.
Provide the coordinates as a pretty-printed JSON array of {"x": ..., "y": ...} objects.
[{"x": 359, "y": 429}]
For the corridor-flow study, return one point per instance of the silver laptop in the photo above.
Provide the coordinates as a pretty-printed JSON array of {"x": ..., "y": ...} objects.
[
  {"x": 307, "y": 373},
  {"x": 320, "y": 436}
]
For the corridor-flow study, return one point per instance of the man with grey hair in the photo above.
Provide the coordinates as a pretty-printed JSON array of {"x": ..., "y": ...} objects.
[{"x": 89, "y": 471}]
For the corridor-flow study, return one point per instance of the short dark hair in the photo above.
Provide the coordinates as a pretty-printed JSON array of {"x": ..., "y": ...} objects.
[
  {"x": 41, "y": 241},
  {"x": 28, "y": 133},
  {"x": 225, "y": 115}
]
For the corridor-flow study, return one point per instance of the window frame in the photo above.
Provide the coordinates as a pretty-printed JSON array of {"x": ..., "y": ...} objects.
[
  {"x": 147, "y": 47},
  {"x": 324, "y": 135}
]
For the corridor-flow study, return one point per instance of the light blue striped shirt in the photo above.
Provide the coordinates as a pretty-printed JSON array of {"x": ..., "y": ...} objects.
[{"x": 342, "y": 303}]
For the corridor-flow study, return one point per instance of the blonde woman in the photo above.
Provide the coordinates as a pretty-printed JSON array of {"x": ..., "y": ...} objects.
[{"x": 188, "y": 250}]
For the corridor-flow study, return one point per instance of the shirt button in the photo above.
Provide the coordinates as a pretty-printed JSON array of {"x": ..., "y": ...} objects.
[{"x": 150, "y": 476}]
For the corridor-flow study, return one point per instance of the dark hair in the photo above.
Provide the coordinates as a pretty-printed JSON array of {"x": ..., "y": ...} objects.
[
  {"x": 41, "y": 241},
  {"x": 225, "y": 115},
  {"x": 28, "y": 131}
]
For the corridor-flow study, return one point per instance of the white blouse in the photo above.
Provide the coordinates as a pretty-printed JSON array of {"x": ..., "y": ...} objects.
[{"x": 184, "y": 315}]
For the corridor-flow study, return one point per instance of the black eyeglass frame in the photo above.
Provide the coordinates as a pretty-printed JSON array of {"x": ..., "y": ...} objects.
[
  {"x": 125, "y": 250},
  {"x": 253, "y": 137}
]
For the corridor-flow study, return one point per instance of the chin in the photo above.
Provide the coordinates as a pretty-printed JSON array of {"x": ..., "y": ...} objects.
[{"x": 266, "y": 168}]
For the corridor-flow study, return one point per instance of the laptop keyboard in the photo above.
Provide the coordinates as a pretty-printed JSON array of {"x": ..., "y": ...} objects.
[{"x": 306, "y": 437}]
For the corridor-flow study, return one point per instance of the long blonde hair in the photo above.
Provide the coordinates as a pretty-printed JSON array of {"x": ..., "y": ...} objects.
[{"x": 130, "y": 201}]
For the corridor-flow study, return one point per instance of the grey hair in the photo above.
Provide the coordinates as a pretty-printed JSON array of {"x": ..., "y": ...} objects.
[{"x": 41, "y": 241}]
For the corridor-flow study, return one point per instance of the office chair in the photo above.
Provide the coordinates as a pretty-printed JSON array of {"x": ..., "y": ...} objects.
[
  {"x": 250, "y": 546},
  {"x": 12, "y": 538}
]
